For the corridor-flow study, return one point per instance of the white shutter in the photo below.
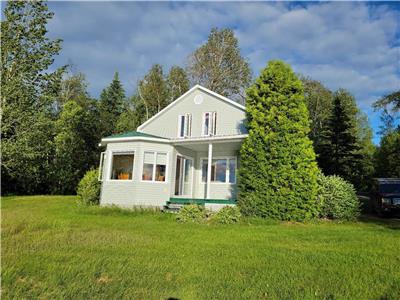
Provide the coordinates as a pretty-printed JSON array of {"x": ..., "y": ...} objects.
[
  {"x": 213, "y": 122},
  {"x": 188, "y": 123},
  {"x": 100, "y": 175},
  {"x": 148, "y": 158}
]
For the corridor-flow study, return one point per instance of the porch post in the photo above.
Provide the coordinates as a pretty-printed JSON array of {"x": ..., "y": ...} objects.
[{"x": 210, "y": 149}]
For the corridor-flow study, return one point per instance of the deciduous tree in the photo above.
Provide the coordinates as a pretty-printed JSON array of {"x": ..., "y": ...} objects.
[
  {"x": 219, "y": 66},
  {"x": 319, "y": 102},
  {"x": 28, "y": 90}
]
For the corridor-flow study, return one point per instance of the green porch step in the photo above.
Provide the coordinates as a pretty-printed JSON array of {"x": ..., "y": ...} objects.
[{"x": 200, "y": 201}]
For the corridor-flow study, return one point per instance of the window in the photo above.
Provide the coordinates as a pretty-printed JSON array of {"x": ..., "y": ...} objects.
[
  {"x": 184, "y": 125},
  {"x": 122, "y": 166},
  {"x": 154, "y": 166},
  {"x": 222, "y": 170},
  {"x": 209, "y": 123}
]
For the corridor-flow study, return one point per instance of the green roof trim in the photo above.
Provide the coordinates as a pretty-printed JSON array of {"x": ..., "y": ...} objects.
[{"x": 133, "y": 134}]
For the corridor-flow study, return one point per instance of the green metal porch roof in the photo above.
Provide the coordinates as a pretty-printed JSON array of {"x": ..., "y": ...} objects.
[{"x": 133, "y": 134}]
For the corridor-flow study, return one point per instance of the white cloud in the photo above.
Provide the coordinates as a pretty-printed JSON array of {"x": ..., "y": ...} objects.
[{"x": 349, "y": 45}]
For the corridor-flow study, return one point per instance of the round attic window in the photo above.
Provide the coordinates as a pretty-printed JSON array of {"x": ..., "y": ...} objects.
[{"x": 198, "y": 99}]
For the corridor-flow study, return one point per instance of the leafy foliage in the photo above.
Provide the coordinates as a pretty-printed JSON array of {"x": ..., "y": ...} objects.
[
  {"x": 219, "y": 66},
  {"x": 339, "y": 199},
  {"x": 319, "y": 101},
  {"x": 89, "y": 188},
  {"x": 192, "y": 213},
  {"x": 227, "y": 215},
  {"x": 278, "y": 172},
  {"x": 155, "y": 91},
  {"x": 75, "y": 147},
  {"x": 387, "y": 156},
  {"x": 177, "y": 83},
  {"x": 28, "y": 90}
]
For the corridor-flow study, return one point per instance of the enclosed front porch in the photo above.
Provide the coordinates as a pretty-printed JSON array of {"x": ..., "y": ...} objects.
[{"x": 205, "y": 171}]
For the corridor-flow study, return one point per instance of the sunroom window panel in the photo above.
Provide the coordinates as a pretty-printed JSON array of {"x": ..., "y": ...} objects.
[
  {"x": 148, "y": 166},
  {"x": 122, "y": 166},
  {"x": 161, "y": 166},
  {"x": 147, "y": 172}
]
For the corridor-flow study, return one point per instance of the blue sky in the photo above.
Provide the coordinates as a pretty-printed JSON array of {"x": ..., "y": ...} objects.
[{"x": 350, "y": 45}]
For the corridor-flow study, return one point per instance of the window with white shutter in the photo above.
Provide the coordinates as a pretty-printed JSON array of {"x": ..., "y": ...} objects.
[
  {"x": 184, "y": 125},
  {"x": 209, "y": 124}
]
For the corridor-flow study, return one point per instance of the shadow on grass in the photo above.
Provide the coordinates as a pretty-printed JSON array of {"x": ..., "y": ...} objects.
[{"x": 391, "y": 223}]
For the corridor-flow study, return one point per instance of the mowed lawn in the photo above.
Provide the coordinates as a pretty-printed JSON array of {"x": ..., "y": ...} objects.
[{"x": 51, "y": 249}]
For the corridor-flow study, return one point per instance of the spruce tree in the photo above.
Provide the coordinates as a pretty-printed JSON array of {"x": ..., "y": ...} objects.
[
  {"x": 278, "y": 172},
  {"x": 112, "y": 104},
  {"x": 341, "y": 149}
]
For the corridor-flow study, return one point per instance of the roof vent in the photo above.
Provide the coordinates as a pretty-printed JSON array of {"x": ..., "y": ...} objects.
[{"x": 198, "y": 99}]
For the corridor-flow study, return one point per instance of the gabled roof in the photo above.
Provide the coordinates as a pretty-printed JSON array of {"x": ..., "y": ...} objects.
[
  {"x": 132, "y": 134},
  {"x": 196, "y": 87}
]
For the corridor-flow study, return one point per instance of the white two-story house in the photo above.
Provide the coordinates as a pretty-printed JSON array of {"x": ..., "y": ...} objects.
[{"x": 187, "y": 153}]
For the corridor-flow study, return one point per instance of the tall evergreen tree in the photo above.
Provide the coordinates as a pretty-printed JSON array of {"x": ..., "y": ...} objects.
[
  {"x": 278, "y": 171},
  {"x": 219, "y": 66},
  {"x": 28, "y": 90},
  {"x": 342, "y": 149},
  {"x": 112, "y": 104}
]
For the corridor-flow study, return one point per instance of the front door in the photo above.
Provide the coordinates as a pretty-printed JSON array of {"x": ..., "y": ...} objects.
[{"x": 183, "y": 176}]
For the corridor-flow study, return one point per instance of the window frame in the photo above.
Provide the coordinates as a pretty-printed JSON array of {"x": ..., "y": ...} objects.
[
  {"x": 227, "y": 172},
  {"x": 154, "y": 167},
  {"x": 112, "y": 153}
]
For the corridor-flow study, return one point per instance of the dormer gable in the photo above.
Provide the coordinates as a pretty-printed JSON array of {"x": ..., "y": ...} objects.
[{"x": 198, "y": 112}]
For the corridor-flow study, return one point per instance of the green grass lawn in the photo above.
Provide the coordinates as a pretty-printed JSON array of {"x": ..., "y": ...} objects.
[{"x": 52, "y": 249}]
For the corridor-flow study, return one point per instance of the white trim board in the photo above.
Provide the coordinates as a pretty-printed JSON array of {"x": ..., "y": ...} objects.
[
  {"x": 199, "y": 87},
  {"x": 133, "y": 138}
]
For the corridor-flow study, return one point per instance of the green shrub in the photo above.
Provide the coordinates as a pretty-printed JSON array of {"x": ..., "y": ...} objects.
[
  {"x": 277, "y": 176},
  {"x": 338, "y": 198},
  {"x": 192, "y": 213},
  {"x": 227, "y": 215},
  {"x": 89, "y": 188}
]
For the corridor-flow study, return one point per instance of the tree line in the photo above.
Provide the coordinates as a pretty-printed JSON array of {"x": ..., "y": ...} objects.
[{"x": 51, "y": 126}]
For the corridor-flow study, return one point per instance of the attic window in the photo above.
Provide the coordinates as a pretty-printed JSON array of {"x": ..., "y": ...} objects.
[{"x": 209, "y": 123}]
